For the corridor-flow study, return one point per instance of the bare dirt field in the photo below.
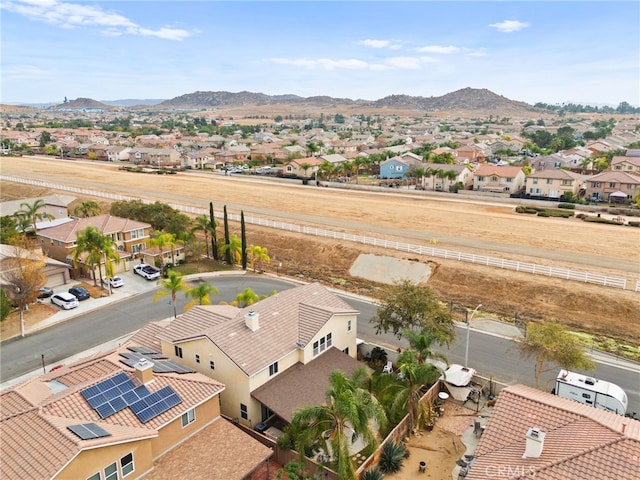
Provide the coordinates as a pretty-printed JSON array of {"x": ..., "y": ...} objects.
[{"x": 482, "y": 228}]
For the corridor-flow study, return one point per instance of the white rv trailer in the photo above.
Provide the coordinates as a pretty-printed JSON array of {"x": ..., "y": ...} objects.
[{"x": 591, "y": 391}]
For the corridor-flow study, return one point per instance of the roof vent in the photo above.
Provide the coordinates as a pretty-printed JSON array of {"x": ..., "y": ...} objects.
[
  {"x": 535, "y": 443},
  {"x": 251, "y": 320}
]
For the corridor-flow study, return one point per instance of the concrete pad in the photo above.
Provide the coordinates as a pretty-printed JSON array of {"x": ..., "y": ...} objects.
[{"x": 389, "y": 270}]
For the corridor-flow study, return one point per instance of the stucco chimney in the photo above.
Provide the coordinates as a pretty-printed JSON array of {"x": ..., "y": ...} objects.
[
  {"x": 251, "y": 320},
  {"x": 535, "y": 443},
  {"x": 144, "y": 370}
]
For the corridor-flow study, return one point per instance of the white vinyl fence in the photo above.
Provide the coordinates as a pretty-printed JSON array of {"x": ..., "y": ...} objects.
[{"x": 532, "y": 268}]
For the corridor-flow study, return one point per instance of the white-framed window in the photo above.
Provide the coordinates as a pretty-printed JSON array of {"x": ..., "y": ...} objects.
[
  {"x": 95, "y": 476},
  {"x": 348, "y": 325},
  {"x": 549, "y": 181},
  {"x": 596, "y": 184},
  {"x": 535, "y": 181},
  {"x": 111, "y": 472},
  {"x": 178, "y": 351},
  {"x": 126, "y": 464},
  {"x": 188, "y": 417},
  {"x": 197, "y": 358},
  {"x": 329, "y": 341},
  {"x": 612, "y": 185},
  {"x": 273, "y": 369},
  {"x": 243, "y": 411},
  {"x": 321, "y": 345}
]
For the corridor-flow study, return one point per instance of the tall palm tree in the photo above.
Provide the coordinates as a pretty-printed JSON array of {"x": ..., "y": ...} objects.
[
  {"x": 422, "y": 343},
  {"x": 173, "y": 284},
  {"x": 405, "y": 387},
  {"x": 87, "y": 208},
  {"x": 98, "y": 248},
  {"x": 34, "y": 212},
  {"x": 203, "y": 223},
  {"x": 349, "y": 410},
  {"x": 233, "y": 248},
  {"x": 162, "y": 240},
  {"x": 259, "y": 256},
  {"x": 201, "y": 294}
]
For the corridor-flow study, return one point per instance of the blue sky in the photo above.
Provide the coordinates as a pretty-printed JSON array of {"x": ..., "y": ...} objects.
[{"x": 583, "y": 52}]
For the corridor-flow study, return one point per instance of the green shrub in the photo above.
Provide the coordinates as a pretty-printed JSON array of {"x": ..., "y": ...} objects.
[
  {"x": 392, "y": 457},
  {"x": 601, "y": 220},
  {"x": 373, "y": 473},
  {"x": 544, "y": 214},
  {"x": 5, "y": 305},
  {"x": 634, "y": 224},
  {"x": 570, "y": 206}
]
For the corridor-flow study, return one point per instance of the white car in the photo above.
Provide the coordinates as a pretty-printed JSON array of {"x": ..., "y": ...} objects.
[
  {"x": 147, "y": 271},
  {"x": 65, "y": 300},
  {"x": 115, "y": 282}
]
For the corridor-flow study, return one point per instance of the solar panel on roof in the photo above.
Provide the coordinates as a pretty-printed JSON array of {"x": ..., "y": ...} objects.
[
  {"x": 155, "y": 404},
  {"x": 105, "y": 410},
  {"x": 88, "y": 431},
  {"x": 176, "y": 367}
]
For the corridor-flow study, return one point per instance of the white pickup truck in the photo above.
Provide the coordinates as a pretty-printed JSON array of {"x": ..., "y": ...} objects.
[{"x": 147, "y": 271}]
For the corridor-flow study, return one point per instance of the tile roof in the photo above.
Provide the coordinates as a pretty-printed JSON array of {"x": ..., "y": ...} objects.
[
  {"x": 304, "y": 385},
  {"x": 556, "y": 173},
  {"x": 34, "y": 438},
  {"x": 106, "y": 224},
  {"x": 580, "y": 442},
  {"x": 286, "y": 318},
  {"x": 615, "y": 176},
  {"x": 223, "y": 451},
  {"x": 505, "y": 172}
]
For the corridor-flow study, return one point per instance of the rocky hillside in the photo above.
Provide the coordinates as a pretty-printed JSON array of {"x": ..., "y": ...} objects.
[
  {"x": 467, "y": 99},
  {"x": 81, "y": 103}
]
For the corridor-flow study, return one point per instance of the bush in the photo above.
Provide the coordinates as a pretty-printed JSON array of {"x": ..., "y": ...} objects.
[
  {"x": 570, "y": 206},
  {"x": 373, "y": 473},
  {"x": 601, "y": 220},
  {"x": 5, "y": 305},
  {"x": 634, "y": 224},
  {"x": 544, "y": 214},
  {"x": 392, "y": 457}
]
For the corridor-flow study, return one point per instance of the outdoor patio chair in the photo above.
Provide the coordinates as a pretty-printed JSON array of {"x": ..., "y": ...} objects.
[
  {"x": 477, "y": 428},
  {"x": 388, "y": 368}
]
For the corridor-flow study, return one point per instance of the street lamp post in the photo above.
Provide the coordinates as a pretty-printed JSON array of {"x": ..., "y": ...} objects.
[{"x": 469, "y": 318}]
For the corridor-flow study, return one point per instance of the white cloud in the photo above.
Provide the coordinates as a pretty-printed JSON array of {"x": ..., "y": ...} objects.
[
  {"x": 404, "y": 62},
  {"x": 380, "y": 44},
  {"x": 71, "y": 15},
  {"x": 328, "y": 64},
  {"x": 508, "y": 26},
  {"x": 440, "y": 49},
  {"x": 23, "y": 72}
]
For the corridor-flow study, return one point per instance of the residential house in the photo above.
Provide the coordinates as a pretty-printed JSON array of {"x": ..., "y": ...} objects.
[
  {"x": 613, "y": 186},
  {"x": 534, "y": 434},
  {"x": 629, "y": 164},
  {"x": 334, "y": 158},
  {"x": 296, "y": 167},
  {"x": 470, "y": 154},
  {"x": 197, "y": 159},
  {"x": 122, "y": 414},
  {"x": 56, "y": 206},
  {"x": 55, "y": 272},
  {"x": 398, "y": 167},
  {"x": 129, "y": 236},
  {"x": 155, "y": 157},
  {"x": 117, "y": 153},
  {"x": 491, "y": 178},
  {"x": 553, "y": 183},
  {"x": 248, "y": 348},
  {"x": 443, "y": 176}
]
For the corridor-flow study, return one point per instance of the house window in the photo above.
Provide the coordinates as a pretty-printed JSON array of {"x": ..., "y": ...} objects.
[
  {"x": 243, "y": 411},
  {"x": 596, "y": 184},
  {"x": 612, "y": 185},
  {"x": 95, "y": 476},
  {"x": 321, "y": 345},
  {"x": 509, "y": 179},
  {"x": 212, "y": 365},
  {"x": 535, "y": 181},
  {"x": 273, "y": 369},
  {"x": 549, "y": 181},
  {"x": 618, "y": 167},
  {"x": 126, "y": 464},
  {"x": 188, "y": 417},
  {"x": 348, "y": 325},
  {"x": 494, "y": 179},
  {"x": 178, "y": 351},
  {"x": 111, "y": 472},
  {"x": 481, "y": 179},
  {"x": 329, "y": 343},
  {"x": 346, "y": 350},
  {"x": 197, "y": 358},
  {"x": 566, "y": 183}
]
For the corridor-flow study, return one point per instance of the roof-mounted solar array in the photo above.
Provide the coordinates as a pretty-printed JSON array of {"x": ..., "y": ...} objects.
[{"x": 89, "y": 431}]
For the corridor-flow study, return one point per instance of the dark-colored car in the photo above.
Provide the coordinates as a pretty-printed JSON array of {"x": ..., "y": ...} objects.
[
  {"x": 45, "y": 292},
  {"x": 80, "y": 293}
]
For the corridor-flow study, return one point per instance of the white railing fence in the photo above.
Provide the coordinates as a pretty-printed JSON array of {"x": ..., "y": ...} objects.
[{"x": 532, "y": 268}]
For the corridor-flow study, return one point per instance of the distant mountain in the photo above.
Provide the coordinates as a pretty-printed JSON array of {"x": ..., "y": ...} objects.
[
  {"x": 466, "y": 99},
  {"x": 81, "y": 104},
  {"x": 132, "y": 102}
]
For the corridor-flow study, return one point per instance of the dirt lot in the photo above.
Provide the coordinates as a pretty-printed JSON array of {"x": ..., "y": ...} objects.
[{"x": 488, "y": 229}]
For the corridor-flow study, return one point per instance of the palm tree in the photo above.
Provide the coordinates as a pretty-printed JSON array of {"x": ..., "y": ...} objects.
[
  {"x": 259, "y": 255},
  {"x": 349, "y": 411},
  {"x": 173, "y": 284},
  {"x": 234, "y": 248},
  {"x": 33, "y": 212},
  {"x": 203, "y": 223},
  {"x": 405, "y": 387},
  {"x": 98, "y": 248},
  {"x": 201, "y": 294},
  {"x": 305, "y": 167},
  {"x": 162, "y": 240},
  {"x": 87, "y": 208},
  {"x": 422, "y": 343}
]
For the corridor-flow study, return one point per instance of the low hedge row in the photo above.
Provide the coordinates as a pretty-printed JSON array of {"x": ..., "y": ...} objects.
[{"x": 544, "y": 212}]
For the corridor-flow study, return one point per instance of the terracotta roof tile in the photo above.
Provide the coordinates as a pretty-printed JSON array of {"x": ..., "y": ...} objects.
[{"x": 12, "y": 403}]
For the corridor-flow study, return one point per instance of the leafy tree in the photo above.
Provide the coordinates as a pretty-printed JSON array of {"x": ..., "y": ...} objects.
[
  {"x": 409, "y": 306},
  {"x": 552, "y": 346},
  {"x": 9, "y": 233},
  {"x": 88, "y": 208},
  {"x": 421, "y": 343},
  {"x": 98, "y": 248},
  {"x": 171, "y": 285},
  {"x": 34, "y": 212},
  {"x": 201, "y": 294},
  {"x": 292, "y": 471},
  {"x": 45, "y": 137},
  {"x": 349, "y": 410},
  {"x": 5, "y": 305},
  {"x": 178, "y": 223}
]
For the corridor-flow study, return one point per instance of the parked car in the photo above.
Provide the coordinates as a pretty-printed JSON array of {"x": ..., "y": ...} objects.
[
  {"x": 80, "y": 293},
  {"x": 147, "y": 271},
  {"x": 45, "y": 292},
  {"x": 65, "y": 300},
  {"x": 115, "y": 282}
]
